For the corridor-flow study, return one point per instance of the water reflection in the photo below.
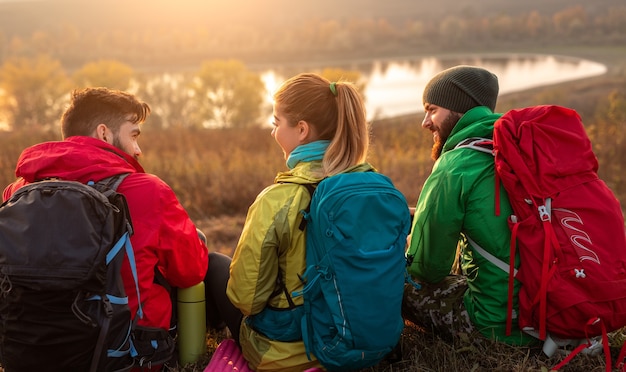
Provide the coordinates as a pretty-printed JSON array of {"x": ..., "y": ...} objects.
[{"x": 394, "y": 87}]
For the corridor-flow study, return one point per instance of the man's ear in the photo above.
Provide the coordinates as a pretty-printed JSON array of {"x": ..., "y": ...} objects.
[{"x": 102, "y": 133}]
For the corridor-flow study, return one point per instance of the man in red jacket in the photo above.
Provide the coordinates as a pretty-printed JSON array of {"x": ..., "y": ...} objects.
[{"x": 100, "y": 131}]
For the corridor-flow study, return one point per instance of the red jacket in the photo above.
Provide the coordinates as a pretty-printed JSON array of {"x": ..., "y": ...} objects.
[{"x": 164, "y": 234}]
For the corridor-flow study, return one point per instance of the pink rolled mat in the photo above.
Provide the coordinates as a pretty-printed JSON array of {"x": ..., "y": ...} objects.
[{"x": 227, "y": 357}]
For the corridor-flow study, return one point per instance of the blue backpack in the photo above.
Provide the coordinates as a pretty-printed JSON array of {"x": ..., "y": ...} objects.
[{"x": 357, "y": 224}]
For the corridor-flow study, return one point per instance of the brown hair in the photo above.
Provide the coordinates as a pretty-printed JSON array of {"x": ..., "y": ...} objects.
[
  {"x": 336, "y": 114},
  {"x": 92, "y": 106}
]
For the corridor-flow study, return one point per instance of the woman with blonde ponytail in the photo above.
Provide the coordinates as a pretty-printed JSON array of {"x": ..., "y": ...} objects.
[{"x": 322, "y": 129}]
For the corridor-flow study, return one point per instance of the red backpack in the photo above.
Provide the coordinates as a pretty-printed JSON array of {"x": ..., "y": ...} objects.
[{"x": 568, "y": 227}]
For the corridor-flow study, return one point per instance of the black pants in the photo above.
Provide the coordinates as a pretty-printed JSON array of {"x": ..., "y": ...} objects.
[{"x": 220, "y": 311}]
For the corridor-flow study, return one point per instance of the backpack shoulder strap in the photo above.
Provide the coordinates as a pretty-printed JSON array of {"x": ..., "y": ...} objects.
[
  {"x": 477, "y": 143},
  {"x": 310, "y": 187},
  {"x": 491, "y": 258},
  {"x": 484, "y": 145},
  {"x": 109, "y": 183}
]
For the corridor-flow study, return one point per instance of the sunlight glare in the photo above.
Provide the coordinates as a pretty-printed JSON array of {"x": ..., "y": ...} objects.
[{"x": 271, "y": 83}]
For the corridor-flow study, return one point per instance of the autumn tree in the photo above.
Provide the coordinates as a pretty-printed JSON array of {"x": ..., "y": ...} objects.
[
  {"x": 615, "y": 20},
  {"x": 451, "y": 30},
  {"x": 104, "y": 73},
  {"x": 34, "y": 91},
  {"x": 168, "y": 97},
  {"x": 571, "y": 21},
  {"x": 535, "y": 24},
  {"x": 502, "y": 27},
  {"x": 226, "y": 94}
]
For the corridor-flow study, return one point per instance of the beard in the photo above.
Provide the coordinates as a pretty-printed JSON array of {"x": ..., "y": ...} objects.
[
  {"x": 118, "y": 143},
  {"x": 443, "y": 133}
]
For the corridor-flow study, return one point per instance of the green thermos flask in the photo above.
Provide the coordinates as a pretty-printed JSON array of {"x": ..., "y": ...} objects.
[{"x": 191, "y": 323}]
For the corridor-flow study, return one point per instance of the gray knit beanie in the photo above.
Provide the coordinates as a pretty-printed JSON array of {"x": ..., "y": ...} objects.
[{"x": 462, "y": 88}]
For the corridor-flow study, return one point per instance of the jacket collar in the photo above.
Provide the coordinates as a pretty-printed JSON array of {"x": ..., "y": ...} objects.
[
  {"x": 76, "y": 158},
  {"x": 477, "y": 122}
]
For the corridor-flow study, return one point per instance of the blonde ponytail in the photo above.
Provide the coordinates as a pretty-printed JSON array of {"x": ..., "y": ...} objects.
[{"x": 336, "y": 111}]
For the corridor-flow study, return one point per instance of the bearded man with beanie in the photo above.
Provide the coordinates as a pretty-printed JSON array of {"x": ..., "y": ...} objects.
[{"x": 456, "y": 205}]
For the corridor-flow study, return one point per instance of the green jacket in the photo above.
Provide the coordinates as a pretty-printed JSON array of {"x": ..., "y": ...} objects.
[
  {"x": 271, "y": 244},
  {"x": 457, "y": 200}
]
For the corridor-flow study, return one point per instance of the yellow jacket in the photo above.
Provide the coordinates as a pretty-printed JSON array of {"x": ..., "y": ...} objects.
[{"x": 271, "y": 243}]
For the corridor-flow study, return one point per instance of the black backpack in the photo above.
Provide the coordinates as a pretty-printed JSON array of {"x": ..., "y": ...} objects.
[{"x": 63, "y": 306}]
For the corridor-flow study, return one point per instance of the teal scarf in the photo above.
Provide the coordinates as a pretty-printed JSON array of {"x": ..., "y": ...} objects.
[{"x": 311, "y": 151}]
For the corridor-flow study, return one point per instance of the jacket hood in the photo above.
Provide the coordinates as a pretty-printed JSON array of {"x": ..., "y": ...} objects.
[{"x": 76, "y": 158}]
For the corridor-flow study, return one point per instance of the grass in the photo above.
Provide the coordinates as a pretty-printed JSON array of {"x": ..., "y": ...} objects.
[{"x": 425, "y": 352}]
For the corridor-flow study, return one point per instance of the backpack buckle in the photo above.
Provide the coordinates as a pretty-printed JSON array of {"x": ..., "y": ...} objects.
[{"x": 544, "y": 215}]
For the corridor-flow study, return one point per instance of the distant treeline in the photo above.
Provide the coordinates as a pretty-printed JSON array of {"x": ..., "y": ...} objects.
[{"x": 128, "y": 35}]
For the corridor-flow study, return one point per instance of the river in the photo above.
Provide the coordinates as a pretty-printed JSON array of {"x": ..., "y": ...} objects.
[{"x": 394, "y": 87}]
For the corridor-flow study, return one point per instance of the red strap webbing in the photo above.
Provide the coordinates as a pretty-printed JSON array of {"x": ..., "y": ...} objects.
[
  {"x": 548, "y": 269},
  {"x": 581, "y": 347},
  {"x": 543, "y": 289},
  {"x": 620, "y": 359},
  {"x": 512, "y": 250}
]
